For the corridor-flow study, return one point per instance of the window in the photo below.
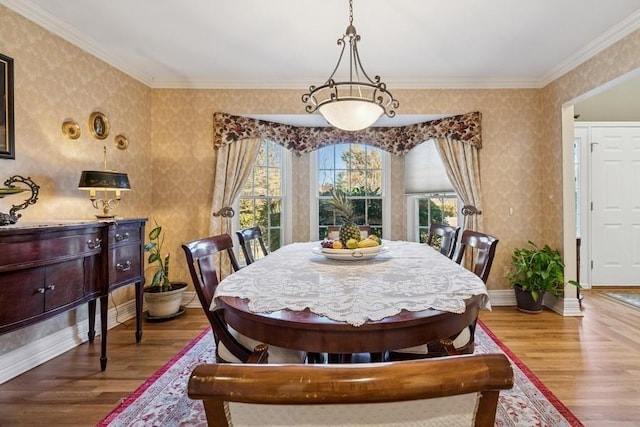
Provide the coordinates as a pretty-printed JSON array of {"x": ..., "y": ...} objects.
[
  {"x": 359, "y": 171},
  {"x": 434, "y": 209},
  {"x": 430, "y": 195},
  {"x": 263, "y": 198}
]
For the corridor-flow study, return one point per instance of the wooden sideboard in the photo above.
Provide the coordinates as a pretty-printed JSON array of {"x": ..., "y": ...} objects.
[{"x": 50, "y": 267}]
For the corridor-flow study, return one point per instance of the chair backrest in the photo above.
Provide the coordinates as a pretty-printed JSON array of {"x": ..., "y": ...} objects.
[
  {"x": 201, "y": 260},
  {"x": 456, "y": 390},
  {"x": 448, "y": 236},
  {"x": 250, "y": 240},
  {"x": 484, "y": 250}
]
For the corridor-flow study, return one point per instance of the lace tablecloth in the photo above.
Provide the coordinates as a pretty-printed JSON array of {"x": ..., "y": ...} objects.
[{"x": 409, "y": 276}]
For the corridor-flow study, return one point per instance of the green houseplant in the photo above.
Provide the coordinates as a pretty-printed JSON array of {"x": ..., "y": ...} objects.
[
  {"x": 536, "y": 271},
  {"x": 162, "y": 296}
]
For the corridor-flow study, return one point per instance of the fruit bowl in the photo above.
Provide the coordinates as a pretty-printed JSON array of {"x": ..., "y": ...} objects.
[{"x": 351, "y": 254}]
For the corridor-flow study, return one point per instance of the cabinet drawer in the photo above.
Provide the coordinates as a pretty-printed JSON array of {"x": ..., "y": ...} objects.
[
  {"x": 125, "y": 264},
  {"x": 125, "y": 234},
  {"x": 45, "y": 250}
]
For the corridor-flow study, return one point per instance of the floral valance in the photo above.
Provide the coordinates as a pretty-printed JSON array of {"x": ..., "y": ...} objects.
[{"x": 399, "y": 140}]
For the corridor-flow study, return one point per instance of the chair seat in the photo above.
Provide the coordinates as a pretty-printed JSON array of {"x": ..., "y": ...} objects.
[
  {"x": 461, "y": 341},
  {"x": 276, "y": 354}
]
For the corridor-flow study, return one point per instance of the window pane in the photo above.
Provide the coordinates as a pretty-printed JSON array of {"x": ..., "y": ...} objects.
[
  {"x": 260, "y": 201},
  {"x": 358, "y": 173},
  {"x": 275, "y": 180}
]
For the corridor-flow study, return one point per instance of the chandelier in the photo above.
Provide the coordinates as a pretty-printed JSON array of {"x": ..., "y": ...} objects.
[{"x": 354, "y": 104}]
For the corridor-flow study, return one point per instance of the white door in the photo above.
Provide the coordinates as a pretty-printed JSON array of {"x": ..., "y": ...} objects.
[{"x": 615, "y": 216}]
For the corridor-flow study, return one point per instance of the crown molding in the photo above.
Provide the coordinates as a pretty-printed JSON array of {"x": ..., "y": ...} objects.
[{"x": 27, "y": 9}]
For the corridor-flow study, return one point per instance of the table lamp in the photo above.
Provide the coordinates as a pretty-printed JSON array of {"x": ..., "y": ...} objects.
[{"x": 104, "y": 181}]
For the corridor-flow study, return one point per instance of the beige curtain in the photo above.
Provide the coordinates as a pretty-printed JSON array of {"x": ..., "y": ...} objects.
[
  {"x": 234, "y": 163},
  {"x": 463, "y": 169}
]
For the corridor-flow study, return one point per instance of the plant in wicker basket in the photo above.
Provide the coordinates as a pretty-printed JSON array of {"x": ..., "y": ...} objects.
[{"x": 344, "y": 209}]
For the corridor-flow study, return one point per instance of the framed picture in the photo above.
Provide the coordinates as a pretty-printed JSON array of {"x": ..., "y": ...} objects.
[
  {"x": 99, "y": 125},
  {"x": 7, "y": 139}
]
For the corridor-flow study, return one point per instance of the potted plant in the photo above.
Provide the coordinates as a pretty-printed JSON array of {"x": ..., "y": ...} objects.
[
  {"x": 162, "y": 296},
  {"x": 534, "y": 273}
]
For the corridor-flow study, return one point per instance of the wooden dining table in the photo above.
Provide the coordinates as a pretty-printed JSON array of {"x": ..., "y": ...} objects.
[{"x": 297, "y": 298}]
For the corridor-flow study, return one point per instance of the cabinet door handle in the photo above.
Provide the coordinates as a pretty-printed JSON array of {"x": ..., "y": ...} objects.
[
  {"x": 94, "y": 244},
  {"x": 40, "y": 291},
  {"x": 50, "y": 287},
  {"x": 123, "y": 267},
  {"x": 122, "y": 237}
]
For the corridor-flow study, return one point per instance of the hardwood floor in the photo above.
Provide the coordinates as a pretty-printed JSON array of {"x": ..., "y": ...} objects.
[{"x": 591, "y": 363}]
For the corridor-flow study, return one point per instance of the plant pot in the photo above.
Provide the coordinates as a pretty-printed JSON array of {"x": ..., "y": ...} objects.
[
  {"x": 164, "y": 304},
  {"x": 525, "y": 301}
]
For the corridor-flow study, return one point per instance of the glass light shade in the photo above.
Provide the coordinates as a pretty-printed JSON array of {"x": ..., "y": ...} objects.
[
  {"x": 104, "y": 181},
  {"x": 351, "y": 114}
]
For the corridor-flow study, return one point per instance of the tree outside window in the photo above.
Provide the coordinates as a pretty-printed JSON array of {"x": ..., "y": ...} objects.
[
  {"x": 355, "y": 169},
  {"x": 261, "y": 199}
]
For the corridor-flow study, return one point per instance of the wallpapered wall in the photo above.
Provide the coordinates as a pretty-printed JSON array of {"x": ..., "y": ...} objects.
[{"x": 170, "y": 157}]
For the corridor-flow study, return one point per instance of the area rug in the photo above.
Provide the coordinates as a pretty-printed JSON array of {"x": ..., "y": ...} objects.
[
  {"x": 162, "y": 400},
  {"x": 628, "y": 297}
]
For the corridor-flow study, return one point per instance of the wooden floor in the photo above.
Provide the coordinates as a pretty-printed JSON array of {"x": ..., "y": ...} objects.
[{"x": 591, "y": 363}]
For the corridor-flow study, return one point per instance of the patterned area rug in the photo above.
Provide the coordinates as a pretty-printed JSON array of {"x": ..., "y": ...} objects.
[
  {"x": 628, "y": 297},
  {"x": 162, "y": 400}
]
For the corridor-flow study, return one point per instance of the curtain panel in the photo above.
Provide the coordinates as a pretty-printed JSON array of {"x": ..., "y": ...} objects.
[{"x": 465, "y": 128}]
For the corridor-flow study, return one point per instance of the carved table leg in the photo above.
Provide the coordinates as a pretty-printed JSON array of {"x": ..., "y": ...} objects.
[
  {"x": 104, "y": 307},
  {"x": 139, "y": 296},
  {"x": 92, "y": 320}
]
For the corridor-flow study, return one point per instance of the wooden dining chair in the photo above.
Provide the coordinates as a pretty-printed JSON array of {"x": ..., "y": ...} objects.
[
  {"x": 483, "y": 248},
  {"x": 444, "y": 237},
  {"x": 251, "y": 242},
  {"x": 458, "y": 391},
  {"x": 231, "y": 346}
]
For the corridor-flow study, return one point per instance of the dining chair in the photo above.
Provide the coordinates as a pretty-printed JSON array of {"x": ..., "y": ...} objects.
[
  {"x": 444, "y": 237},
  {"x": 481, "y": 248},
  {"x": 231, "y": 346},
  {"x": 458, "y": 391},
  {"x": 251, "y": 241}
]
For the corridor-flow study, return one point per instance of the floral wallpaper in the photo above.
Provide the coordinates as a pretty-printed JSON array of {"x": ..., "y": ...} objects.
[{"x": 170, "y": 157}]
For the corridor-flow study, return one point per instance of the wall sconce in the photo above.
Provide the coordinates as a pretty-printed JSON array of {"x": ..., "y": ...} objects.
[{"x": 104, "y": 181}]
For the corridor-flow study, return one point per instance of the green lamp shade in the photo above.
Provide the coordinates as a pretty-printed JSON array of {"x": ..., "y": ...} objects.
[{"x": 103, "y": 181}]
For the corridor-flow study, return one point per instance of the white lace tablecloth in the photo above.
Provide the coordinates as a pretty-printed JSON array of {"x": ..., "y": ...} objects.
[{"x": 409, "y": 276}]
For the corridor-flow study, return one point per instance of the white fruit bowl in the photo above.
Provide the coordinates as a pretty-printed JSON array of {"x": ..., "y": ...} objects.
[{"x": 351, "y": 254}]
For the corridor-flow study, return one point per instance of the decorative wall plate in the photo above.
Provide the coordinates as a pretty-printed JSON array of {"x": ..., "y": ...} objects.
[
  {"x": 71, "y": 129},
  {"x": 99, "y": 125},
  {"x": 121, "y": 142}
]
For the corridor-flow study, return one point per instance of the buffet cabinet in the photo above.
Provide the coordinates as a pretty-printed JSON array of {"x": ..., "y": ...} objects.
[{"x": 49, "y": 268}]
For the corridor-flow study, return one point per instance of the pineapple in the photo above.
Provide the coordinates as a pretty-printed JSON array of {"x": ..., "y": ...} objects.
[{"x": 344, "y": 209}]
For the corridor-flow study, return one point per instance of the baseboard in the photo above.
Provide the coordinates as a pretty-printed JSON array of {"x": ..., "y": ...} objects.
[
  {"x": 46, "y": 348},
  {"x": 502, "y": 297}
]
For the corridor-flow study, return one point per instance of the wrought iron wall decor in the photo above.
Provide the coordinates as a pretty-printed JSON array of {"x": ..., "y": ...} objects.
[{"x": 11, "y": 188}]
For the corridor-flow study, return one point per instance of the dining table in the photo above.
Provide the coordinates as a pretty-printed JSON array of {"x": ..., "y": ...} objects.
[{"x": 297, "y": 297}]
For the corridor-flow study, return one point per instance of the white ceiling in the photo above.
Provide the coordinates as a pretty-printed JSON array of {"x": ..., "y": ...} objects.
[{"x": 292, "y": 43}]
